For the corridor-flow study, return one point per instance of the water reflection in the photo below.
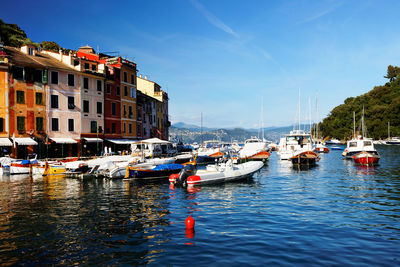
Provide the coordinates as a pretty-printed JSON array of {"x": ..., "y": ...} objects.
[{"x": 279, "y": 216}]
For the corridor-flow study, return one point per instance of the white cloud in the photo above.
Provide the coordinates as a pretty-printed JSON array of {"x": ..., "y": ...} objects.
[{"x": 213, "y": 19}]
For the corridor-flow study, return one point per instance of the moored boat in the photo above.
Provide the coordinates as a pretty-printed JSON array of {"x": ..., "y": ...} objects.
[
  {"x": 308, "y": 158},
  {"x": 54, "y": 169},
  {"x": 153, "y": 172},
  {"x": 320, "y": 148},
  {"x": 366, "y": 158},
  {"x": 295, "y": 142},
  {"x": 254, "y": 149},
  {"x": 217, "y": 173}
]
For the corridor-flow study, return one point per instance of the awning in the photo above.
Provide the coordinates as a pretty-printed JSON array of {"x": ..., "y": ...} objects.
[
  {"x": 121, "y": 141},
  {"x": 64, "y": 140},
  {"x": 93, "y": 140},
  {"x": 5, "y": 142},
  {"x": 153, "y": 141},
  {"x": 25, "y": 141}
]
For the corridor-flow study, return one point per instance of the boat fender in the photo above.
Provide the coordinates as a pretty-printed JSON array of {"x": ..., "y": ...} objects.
[
  {"x": 194, "y": 179},
  {"x": 173, "y": 178}
]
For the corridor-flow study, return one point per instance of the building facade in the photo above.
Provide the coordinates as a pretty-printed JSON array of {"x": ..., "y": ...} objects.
[
  {"x": 27, "y": 109},
  {"x": 153, "y": 90}
]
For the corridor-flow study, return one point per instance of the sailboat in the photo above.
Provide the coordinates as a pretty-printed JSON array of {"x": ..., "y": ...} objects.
[
  {"x": 393, "y": 140},
  {"x": 319, "y": 147},
  {"x": 298, "y": 146},
  {"x": 255, "y": 148}
]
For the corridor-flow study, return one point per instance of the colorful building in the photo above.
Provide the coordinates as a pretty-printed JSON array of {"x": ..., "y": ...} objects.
[
  {"x": 5, "y": 144},
  {"x": 92, "y": 97},
  {"x": 153, "y": 90},
  {"x": 63, "y": 105},
  {"x": 128, "y": 99},
  {"x": 27, "y": 110}
]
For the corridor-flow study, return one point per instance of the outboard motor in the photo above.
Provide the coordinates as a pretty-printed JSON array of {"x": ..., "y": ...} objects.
[{"x": 187, "y": 171}]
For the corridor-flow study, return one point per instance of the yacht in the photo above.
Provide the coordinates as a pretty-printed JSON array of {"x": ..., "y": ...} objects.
[{"x": 295, "y": 142}]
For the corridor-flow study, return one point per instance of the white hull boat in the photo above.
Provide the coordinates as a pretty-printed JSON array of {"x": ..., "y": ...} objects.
[{"x": 219, "y": 173}]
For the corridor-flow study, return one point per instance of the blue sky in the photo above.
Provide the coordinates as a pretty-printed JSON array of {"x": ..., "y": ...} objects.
[{"x": 221, "y": 58}]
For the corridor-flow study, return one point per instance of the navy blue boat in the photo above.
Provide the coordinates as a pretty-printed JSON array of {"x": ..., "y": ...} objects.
[{"x": 159, "y": 171}]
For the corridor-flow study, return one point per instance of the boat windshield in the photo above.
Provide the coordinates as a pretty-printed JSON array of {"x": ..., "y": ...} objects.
[
  {"x": 353, "y": 144},
  {"x": 367, "y": 143}
]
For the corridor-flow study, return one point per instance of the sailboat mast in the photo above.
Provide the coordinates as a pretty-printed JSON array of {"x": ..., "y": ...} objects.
[
  {"x": 201, "y": 127},
  {"x": 262, "y": 117},
  {"x": 309, "y": 112},
  {"x": 317, "y": 118},
  {"x": 362, "y": 124},
  {"x": 388, "y": 129},
  {"x": 299, "y": 111},
  {"x": 354, "y": 125}
]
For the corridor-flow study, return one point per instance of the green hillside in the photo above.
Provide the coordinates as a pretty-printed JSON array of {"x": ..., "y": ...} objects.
[
  {"x": 382, "y": 105},
  {"x": 13, "y": 35}
]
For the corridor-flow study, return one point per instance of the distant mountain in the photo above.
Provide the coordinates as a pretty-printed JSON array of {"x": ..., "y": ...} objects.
[
  {"x": 192, "y": 127},
  {"x": 191, "y": 133}
]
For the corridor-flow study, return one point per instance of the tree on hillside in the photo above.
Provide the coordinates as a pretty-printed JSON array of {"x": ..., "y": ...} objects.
[
  {"x": 50, "y": 45},
  {"x": 11, "y": 34},
  {"x": 382, "y": 104},
  {"x": 392, "y": 73}
]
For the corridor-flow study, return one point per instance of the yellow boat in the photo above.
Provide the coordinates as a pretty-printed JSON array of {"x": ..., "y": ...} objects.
[{"x": 51, "y": 169}]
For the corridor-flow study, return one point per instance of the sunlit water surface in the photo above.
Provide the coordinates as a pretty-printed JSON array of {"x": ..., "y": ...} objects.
[{"x": 333, "y": 214}]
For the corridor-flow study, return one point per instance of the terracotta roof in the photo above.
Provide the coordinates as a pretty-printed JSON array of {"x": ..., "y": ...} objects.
[
  {"x": 41, "y": 61},
  {"x": 16, "y": 57}
]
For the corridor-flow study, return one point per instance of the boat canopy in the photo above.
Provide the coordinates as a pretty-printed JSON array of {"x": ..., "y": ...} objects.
[
  {"x": 5, "y": 142},
  {"x": 25, "y": 141},
  {"x": 152, "y": 141},
  {"x": 64, "y": 140},
  {"x": 93, "y": 140},
  {"x": 122, "y": 141}
]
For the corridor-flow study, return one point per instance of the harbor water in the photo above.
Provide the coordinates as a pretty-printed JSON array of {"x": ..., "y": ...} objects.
[{"x": 333, "y": 214}]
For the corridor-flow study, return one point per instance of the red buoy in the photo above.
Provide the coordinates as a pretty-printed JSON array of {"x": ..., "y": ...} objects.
[{"x": 189, "y": 222}]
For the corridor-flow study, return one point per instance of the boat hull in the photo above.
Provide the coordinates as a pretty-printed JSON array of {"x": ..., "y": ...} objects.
[
  {"x": 54, "y": 170},
  {"x": 321, "y": 150},
  {"x": 365, "y": 158},
  {"x": 221, "y": 174},
  {"x": 305, "y": 158},
  {"x": 153, "y": 173}
]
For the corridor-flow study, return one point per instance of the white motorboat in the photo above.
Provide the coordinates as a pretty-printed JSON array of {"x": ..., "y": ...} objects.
[
  {"x": 117, "y": 170},
  {"x": 332, "y": 142},
  {"x": 218, "y": 173},
  {"x": 393, "y": 141},
  {"x": 254, "y": 149},
  {"x": 295, "y": 142},
  {"x": 358, "y": 145}
]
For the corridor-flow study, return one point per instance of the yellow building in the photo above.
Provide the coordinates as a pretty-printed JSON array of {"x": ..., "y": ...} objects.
[
  {"x": 128, "y": 99},
  {"x": 153, "y": 90}
]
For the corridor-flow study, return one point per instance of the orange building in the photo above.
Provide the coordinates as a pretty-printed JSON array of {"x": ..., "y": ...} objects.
[
  {"x": 5, "y": 144},
  {"x": 27, "y": 110}
]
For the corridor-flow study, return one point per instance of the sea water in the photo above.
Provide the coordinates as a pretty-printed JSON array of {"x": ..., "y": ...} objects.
[{"x": 333, "y": 214}]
